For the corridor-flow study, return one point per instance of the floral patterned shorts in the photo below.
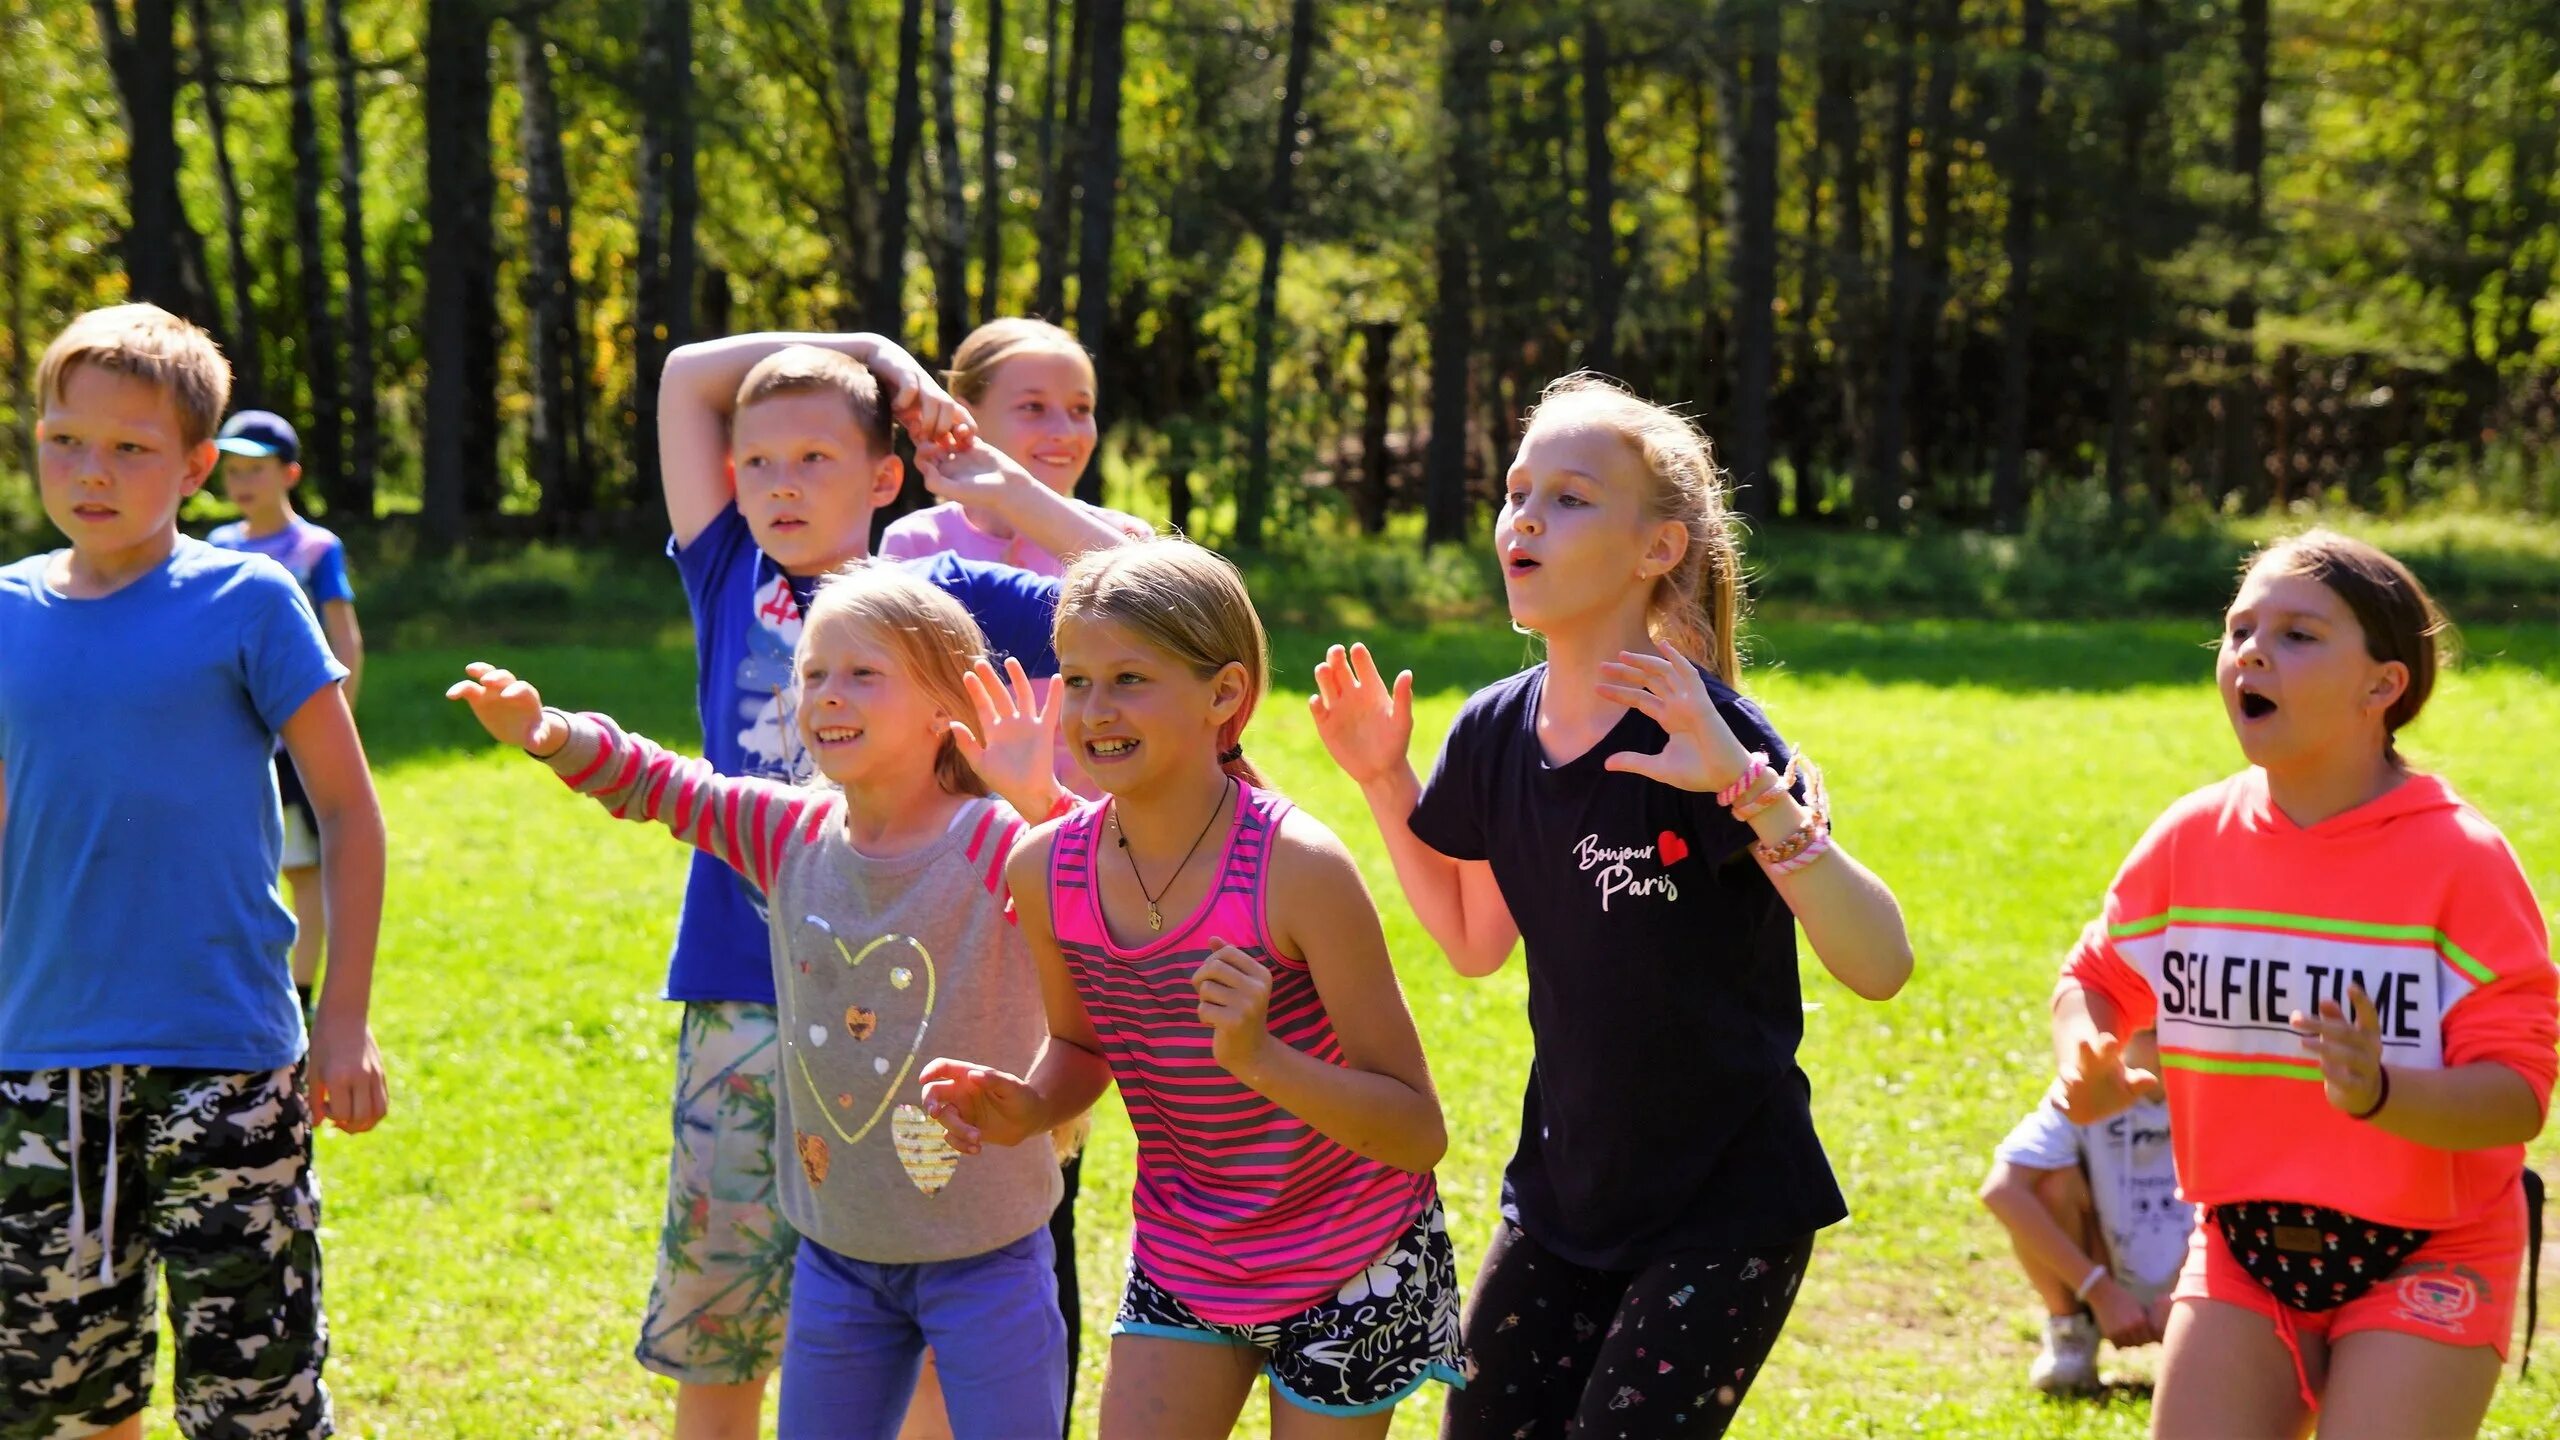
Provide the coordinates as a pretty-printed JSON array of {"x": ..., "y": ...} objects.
[
  {"x": 1391, "y": 1327},
  {"x": 723, "y": 1287}
]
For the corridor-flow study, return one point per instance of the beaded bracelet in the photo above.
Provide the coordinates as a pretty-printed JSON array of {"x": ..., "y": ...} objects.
[
  {"x": 1798, "y": 840},
  {"x": 1757, "y": 766}
]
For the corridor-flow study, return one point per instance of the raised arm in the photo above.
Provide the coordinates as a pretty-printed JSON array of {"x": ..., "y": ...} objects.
[
  {"x": 980, "y": 1105},
  {"x": 348, "y": 1086},
  {"x": 746, "y": 822},
  {"x": 1367, "y": 726},
  {"x": 1379, "y": 1101},
  {"x": 699, "y": 383},
  {"x": 984, "y": 479}
]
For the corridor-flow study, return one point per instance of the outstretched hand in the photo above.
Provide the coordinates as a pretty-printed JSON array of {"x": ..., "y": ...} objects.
[
  {"x": 1013, "y": 747},
  {"x": 1366, "y": 724},
  {"x": 979, "y": 1105},
  {"x": 508, "y": 708},
  {"x": 2096, "y": 1082},
  {"x": 1701, "y": 754},
  {"x": 2348, "y": 1045}
]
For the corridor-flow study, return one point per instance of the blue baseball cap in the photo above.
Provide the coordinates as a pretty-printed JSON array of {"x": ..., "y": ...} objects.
[{"x": 259, "y": 432}]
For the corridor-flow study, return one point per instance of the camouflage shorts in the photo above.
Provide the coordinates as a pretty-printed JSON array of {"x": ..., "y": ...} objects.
[
  {"x": 725, "y": 1253},
  {"x": 201, "y": 1174}
]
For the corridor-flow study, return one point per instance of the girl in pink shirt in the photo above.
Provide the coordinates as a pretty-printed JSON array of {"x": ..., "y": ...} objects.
[
  {"x": 1213, "y": 950},
  {"x": 2353, "y": 992},
  {"x": 1031, "y": 389}
]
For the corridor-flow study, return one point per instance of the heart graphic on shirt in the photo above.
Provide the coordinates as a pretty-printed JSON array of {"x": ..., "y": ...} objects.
[
  {"x": 883, "y": 1009},
  {"x": 924, "y": 1150},
  {"x": 1671, "y": 848}
]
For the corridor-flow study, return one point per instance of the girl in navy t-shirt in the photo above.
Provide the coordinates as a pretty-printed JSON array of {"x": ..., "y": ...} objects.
[{"x": 1629, "y": 815}]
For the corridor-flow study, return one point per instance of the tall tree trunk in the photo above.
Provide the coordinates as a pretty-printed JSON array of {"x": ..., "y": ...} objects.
[
  {"x": 364, "y": 431},
  {"x": 1842, "y": 68},
  {"x": 1462, "y": 103},
  {"x": 1097, "y": 227},
  {"x": 1255, "y": 502},
  {"x": 662, "y": 293},
  {"x": 1885, "y": 489},
  {"x": 163, "y": 254},
  {"x": 1799, "y": 403},
  {"x": 460, "y": 426},
  {"x": 906, "y": 124},
  {"x": 248, "y": 359},
  {"x": 2009, "y": 468},
  {"x": 1060, "y": 154},
  {"x": 951, "y": 230},
  {"x": 990, "y": 170},
  {"x": 856, "y": 239},
  {"x": 321, "y": 460},
  {"x": 2138, "y": 80},
  {"x": 2244, "y": 469},
  {"x": 1599, "y": 196},
  {"x": 13, "y": 288},
  {"x": 1937, "y": 191},
  {"x": 1755, "y": 257},
  {"x": 550, "y": 289},
  {"x": 1377, "y": 371}
]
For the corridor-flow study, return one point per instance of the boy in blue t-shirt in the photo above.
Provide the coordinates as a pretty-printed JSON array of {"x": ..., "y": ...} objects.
[
  {"x": 775, "y": 451},
  {"x": 261, "y": 465},
  {"x": 153, "y": 1064}
]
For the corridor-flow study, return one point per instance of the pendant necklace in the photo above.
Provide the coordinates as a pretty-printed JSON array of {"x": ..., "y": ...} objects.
[{"x": 1155, "y": 914}]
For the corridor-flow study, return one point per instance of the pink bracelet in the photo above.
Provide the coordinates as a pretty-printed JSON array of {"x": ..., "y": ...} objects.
[
  {"x": 1751, "y": 773},
  {"x": 1814, "y": 850}
]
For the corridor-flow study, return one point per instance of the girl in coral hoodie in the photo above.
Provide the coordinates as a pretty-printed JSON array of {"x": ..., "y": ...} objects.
[{"x": 2354, "y": 997}]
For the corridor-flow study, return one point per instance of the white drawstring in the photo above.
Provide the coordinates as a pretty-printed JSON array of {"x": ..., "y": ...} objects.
[{"x": 107, "y": 1196}]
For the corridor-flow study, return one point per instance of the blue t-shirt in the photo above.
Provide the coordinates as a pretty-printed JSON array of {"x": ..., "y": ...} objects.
[
  {"x": 139, "y": 919},
  {"x": 746, "y": 623},
  {"x": 313, "y": 556},
  {"x": 1664, "y": 1111}
]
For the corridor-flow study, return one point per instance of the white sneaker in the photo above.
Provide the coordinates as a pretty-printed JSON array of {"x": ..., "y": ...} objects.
[{"x": 2068, "y": 1363}]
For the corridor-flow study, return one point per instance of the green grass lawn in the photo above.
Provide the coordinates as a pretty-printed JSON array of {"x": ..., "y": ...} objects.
[{"x": 490, "y": 1246}]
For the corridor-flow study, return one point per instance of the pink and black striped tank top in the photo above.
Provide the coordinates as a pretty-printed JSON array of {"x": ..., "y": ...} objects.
[{"x": 1243, "y": 1211}]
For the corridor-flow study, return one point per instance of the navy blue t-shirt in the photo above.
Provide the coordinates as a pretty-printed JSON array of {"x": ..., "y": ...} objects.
[
  {"x": 1665, "y": 1112},
  {"x": 746, "y": 623}
]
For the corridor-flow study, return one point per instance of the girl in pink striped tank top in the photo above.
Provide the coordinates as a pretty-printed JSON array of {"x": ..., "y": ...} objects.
[{"x": 1213, "y": 950}]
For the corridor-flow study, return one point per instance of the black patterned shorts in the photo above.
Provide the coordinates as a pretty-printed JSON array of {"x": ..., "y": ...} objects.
[
  {"x": 199, "y": 1174},
  {"x": 1388, "y": 1329}
]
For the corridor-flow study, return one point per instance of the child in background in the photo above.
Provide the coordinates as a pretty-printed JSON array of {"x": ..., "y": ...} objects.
[
  {"x": 263, "y": 465},
  {"x": 1212, "y": 948},
  {"x": 892, "y": 937},
  {"x": 1030, "y": 390},
  {"x": 2355, "y": 1001},
  {"x": 1632, "y": 817},
  {"x": 157, "y": 1089},
  {"x": 2094, "y": 1214},
  {"x": 775, "y": 451}
]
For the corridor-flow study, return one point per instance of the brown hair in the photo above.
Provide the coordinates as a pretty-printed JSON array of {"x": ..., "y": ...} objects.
[
  {"x": 927, "y": 629},
  {"x": 987, "y": 348},
  {"x": 2400, "y": 620},
  {"x": 815, "y": 370},
  {"x": 154, "y": 347},
  {"x": 1187, "y": 602},
  {"x": 1696, "y": 604}
]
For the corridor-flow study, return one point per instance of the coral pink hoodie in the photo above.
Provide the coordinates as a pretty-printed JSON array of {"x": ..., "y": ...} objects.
[{"x": 2228, "y": 917}]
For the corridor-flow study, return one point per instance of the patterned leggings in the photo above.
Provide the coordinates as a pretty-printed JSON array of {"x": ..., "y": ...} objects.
[{"x": 1555, "y": 1349}]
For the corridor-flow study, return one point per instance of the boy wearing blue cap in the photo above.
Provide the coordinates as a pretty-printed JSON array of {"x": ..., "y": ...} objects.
[{"x": 261, "y": 463}]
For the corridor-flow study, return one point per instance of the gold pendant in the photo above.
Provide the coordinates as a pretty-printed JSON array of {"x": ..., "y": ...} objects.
[{"x": 1155, "y": 919}]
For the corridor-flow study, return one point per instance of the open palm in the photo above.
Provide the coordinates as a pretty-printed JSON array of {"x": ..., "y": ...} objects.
[
  {"x": 1013, "y": 745},
  {"x": 1366, "y": 724}
]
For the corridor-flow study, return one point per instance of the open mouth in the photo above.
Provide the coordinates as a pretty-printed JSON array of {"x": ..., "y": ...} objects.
[
  {"x": 1113, "y": 749},
  {"x": 836, "y": 734},
  {"x": 2255, "y": 706},
  {"x": 1519, "y": 565}
]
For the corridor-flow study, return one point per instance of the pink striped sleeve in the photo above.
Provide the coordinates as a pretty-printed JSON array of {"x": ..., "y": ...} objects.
[{"x": 746, "y": 822}]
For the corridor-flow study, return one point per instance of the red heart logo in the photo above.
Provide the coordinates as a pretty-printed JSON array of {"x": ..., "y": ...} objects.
[{"x": 1671, "y": 848}]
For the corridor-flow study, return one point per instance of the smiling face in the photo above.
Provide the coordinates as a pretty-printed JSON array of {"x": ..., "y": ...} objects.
[
  {"x": 2298, "y": 683},
  {"x": 1134, "y": 714},
  {"x": 1575, "y": 543},
  {"x": 863, "y": 715},
  {"x": 807, "y": 479},
  {"x": 1038, "y": 409},
  {"x": 113, "y": 464}
]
